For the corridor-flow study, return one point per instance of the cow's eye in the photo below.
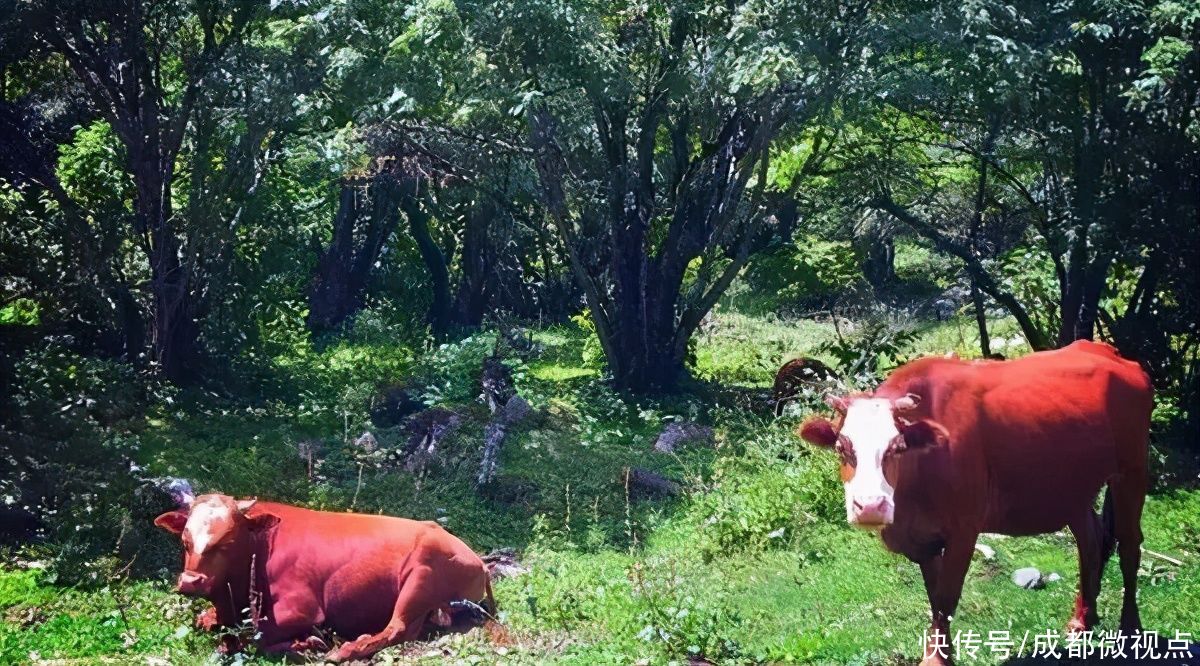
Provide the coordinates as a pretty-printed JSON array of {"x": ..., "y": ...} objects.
[{"x": 846, "y": 450}]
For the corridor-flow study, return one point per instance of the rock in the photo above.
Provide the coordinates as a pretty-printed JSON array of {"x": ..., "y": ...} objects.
[
  {"x": 678, "y": 434},
  {"x": 503, "y": 563},
  {"x": 644, "y": 484},
  {"x": 366, "y": 442},
  {"x": 1029, "y": 578},
  {"x": 517, "y": 409},
  {"x": 985, "y": 550}
]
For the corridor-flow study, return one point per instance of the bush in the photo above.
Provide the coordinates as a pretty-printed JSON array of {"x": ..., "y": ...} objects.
[
  {"x": 68, "y": 460},
  {"x": 763, "y": 497},
  {"x": 811, "y": 272}
]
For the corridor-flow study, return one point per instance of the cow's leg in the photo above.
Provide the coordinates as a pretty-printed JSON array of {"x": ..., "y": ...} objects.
[
  {"x": 948, "y": 582},
  {"x": 1129, "y": 496},
  {"x": 413, "y": 606},
  {"x": 929, "y": 572},
  {"x": 289, "y": 627},
  {"x": 1088, "y": 534}
]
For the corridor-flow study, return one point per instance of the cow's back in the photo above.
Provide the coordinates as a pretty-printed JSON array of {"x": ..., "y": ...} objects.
[
  {"x": 355, "y": 564},
  {"x": 1031, "y": 438}
]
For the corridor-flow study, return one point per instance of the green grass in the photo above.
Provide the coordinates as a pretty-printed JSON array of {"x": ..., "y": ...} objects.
[{"x": 753, "y": 564}]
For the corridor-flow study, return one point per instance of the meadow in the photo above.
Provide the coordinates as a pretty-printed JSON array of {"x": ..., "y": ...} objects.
[{"x": 751, "y": 562}]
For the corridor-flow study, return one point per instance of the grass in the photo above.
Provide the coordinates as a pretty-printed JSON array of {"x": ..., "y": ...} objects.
[{"x": 753, "y": 564}]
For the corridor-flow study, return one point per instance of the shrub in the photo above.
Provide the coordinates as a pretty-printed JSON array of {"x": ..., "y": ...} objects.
[
  {"x": 68, "y": 459},
  {"x": 811, "y": 272}
]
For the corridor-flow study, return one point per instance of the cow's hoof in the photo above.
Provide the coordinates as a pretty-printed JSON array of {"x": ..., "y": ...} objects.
[
  {"x": 207, "y": 620},
  {"x": 1078, "y": 626},
  {"x": 310, "y": 644}
]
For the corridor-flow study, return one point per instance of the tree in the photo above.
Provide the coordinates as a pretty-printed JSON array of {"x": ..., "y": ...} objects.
[
  {"x": 144, "y": 66},
  {"x": 652, "y": 128}
]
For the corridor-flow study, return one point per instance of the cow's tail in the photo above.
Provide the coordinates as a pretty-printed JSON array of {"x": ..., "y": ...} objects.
[
  {"x": 1108, "y": 522},
  {"x": 497, "y": 632}
]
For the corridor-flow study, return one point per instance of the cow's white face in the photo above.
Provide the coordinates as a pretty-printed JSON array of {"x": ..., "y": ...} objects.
[
  {"x": 214, "y": 531},
  {"x": 868, "y": 431},
  {"x": 867, "y": 439},
  {"x": 209, "y": 521}
]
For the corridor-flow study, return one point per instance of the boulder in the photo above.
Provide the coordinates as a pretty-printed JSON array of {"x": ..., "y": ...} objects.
[
  {"x": 644, "y": 484},
  {"x": 679, "y": 434}
]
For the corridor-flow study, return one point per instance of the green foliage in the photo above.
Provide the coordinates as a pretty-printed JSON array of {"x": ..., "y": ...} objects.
[
  {"x": 1029, "y": 273},
  {"x": 810, "y": 272},
  {"x": 592, "y": 353},
  {"x": 92, "y": 168},
  {"x": 866, "y": 354},
  {"x": 20, "y": 312}
]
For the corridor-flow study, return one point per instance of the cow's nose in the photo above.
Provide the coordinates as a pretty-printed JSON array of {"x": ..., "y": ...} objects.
[
  {"x": 191, "y": 582},
  {"x": 871, "y": 510}
]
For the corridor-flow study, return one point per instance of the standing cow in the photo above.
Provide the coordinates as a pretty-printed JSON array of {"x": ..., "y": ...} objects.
[
  {"x": 946, "y": 449},
  {"x": 373, "y": 580}
]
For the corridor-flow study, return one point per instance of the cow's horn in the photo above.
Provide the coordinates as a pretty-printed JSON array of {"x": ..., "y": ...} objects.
[
  {"x": 906, "y": 403},
  {"x": 244, "y": 505}
]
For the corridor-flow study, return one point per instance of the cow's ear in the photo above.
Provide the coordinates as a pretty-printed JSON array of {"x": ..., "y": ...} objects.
[
  {"x": 172, "y": 521},
  {"x": 263, "y": 522},
  {"x": 922, "y": 434},
  {"x": 818, "y": 431},
  {"x": 837, "y": 404}
]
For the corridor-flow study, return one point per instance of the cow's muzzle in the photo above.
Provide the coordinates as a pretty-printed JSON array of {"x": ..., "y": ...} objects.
[
  {"x": 193, "y": 584},
  {"x": 872, "y": 512}
]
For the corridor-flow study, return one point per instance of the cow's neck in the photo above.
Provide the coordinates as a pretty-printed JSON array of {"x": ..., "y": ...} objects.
[{"x": 246, "y": 587}]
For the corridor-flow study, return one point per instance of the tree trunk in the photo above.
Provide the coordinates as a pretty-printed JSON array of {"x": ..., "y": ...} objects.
[
  {"x": 879, "y": 256},
  {"x": 366, "y": 218},
  {"x": 477, "y": 261},
  {"x": 985, "y": 345},
  {"x": 435, "y": 262},
  {"x": 175, "y": 333},
  {"x": 332, "y": 297}
]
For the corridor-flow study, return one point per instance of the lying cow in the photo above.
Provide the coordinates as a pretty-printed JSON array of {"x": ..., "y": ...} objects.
[
  {"x": 946, "y": 449},
  {"x": 372, "y": 580},
  {"x": 794, "y": 376}
]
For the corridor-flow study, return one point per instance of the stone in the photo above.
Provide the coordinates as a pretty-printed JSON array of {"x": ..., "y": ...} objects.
[
  {"x": 678, "y": 434},
  {"x": 1029, "y": 578},
  {"x": 366, "y": 442}
]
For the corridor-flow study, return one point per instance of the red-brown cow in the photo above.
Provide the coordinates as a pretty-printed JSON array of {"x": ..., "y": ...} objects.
[
  {"x": 946, "y": 449},
  {"x": 373, "y": 580}
]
